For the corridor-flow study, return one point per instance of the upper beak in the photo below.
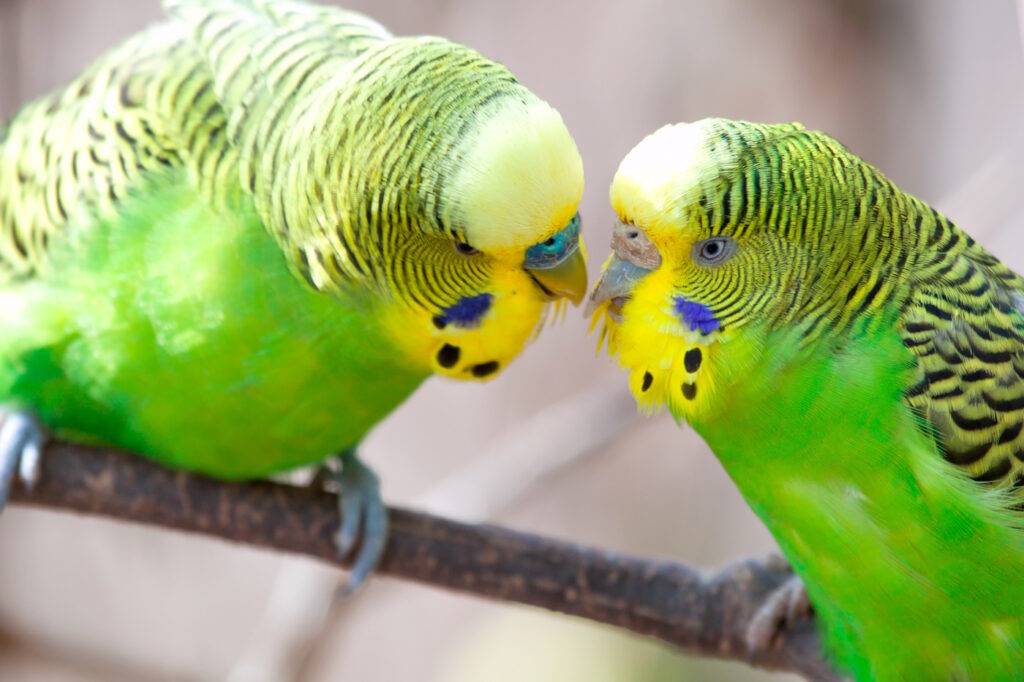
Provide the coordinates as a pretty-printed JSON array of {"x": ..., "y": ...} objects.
[
  {"x": 616, "y": 285},
  {"x": 633, "y": 258},
  {"x": 567, "y": 278}
]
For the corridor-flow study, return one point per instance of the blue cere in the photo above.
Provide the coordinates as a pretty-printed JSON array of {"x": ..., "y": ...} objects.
[
  {"x": 696, "y": 316},
  {"x": 467, "y": 312},
  {"x": 553, "y": 251}
]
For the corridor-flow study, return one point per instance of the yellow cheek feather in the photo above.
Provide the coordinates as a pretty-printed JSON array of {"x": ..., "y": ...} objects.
[
  {"x": 669, "y": 364},
  {"x": 655, "y": 188},
  {"x": 475, "y": 353}
]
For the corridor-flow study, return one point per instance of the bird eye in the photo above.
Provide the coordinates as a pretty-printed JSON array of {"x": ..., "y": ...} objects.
[
  {"x": 465, "y": 249},
  {"x": 714, "y": 250}
]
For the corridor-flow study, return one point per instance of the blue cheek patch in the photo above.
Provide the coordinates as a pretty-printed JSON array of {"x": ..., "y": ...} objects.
[
  {"x": 697, "y": 316},
  {"x": 466, "y": 313}
]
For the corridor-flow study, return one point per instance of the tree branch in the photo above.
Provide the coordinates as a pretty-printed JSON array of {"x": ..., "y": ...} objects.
[{"x": 701, "y": 614}]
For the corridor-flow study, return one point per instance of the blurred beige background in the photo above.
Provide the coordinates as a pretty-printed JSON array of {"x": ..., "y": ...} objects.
[{"x": 929, "y": 90}]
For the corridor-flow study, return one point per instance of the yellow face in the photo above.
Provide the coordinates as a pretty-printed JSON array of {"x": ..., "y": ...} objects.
[
  {"x": 692, "y": 276},
  {"x": 672, "y": 346},
  {"x": 484, "y": 329},
  {"x": 484, "y": 290}
]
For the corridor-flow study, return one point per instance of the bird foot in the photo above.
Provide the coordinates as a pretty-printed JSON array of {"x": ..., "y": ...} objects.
[
  {"x": 783, "y": 609},
  {"x": 21, "y": 443},
  {"x": 364, "y": 519}
]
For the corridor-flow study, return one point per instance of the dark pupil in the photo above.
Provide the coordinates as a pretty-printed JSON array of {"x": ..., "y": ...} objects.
[
  {"x": 712, "y": 249},
  {"x": 550, "y": 242},
  {"x": 466, "y": 248}
]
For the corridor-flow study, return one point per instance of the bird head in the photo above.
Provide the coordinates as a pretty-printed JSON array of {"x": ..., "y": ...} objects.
[
  {"x": 513, "y": 199},
  {"x": 449, "y": 190}
]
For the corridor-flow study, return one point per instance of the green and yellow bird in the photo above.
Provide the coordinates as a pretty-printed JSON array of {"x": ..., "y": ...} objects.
[
  {"x": 856, "y": 362},
  {"x": 243, "y": 237}
]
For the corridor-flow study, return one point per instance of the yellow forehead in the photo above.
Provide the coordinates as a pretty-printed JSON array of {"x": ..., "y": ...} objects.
[
  {"x": 521, "y": 181},
  {"x": 666, "y": 173}
]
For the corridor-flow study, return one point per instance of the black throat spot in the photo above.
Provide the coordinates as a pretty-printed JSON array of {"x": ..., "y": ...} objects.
[{"x": 448, "y": 356}]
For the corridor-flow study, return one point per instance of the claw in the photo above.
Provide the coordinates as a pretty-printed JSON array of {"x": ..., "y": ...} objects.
[
  {"x": 362, "y": 514},
  {"x": 21, "y": 441},
  {"x": 783, "y": 609}
]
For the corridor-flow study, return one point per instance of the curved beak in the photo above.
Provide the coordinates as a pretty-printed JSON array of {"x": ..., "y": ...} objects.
[
  {"x": 565, "y": 279},
  {"x": 616, "y": 285},
  {"x": 634, "y": 256}
]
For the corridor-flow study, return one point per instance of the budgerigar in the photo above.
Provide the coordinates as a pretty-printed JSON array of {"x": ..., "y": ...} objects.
[
  {"x": 856, "y": 362},
  {"x": 244, "y": 236}
]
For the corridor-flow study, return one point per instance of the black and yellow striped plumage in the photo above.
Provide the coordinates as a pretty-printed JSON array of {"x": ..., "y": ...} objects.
[
  {"x": 81, "y": 148},
  {"x": 964, "y": 324},
  {"x": 960, "y": 308},
  {"x": 151, "y": 102}
]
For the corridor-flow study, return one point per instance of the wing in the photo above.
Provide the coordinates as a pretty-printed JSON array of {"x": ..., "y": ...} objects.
[
  {"x": 965, "y": 326},
  {"x": 152, "y": 103},
  {"x": 81, "y": 149}
]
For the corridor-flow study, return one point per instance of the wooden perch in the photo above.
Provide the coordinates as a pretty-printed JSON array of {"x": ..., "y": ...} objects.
[{"x": 705, "y": 614}]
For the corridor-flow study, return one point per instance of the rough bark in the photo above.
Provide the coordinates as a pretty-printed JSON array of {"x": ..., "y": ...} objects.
[{"x": 701, "y": 613}]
